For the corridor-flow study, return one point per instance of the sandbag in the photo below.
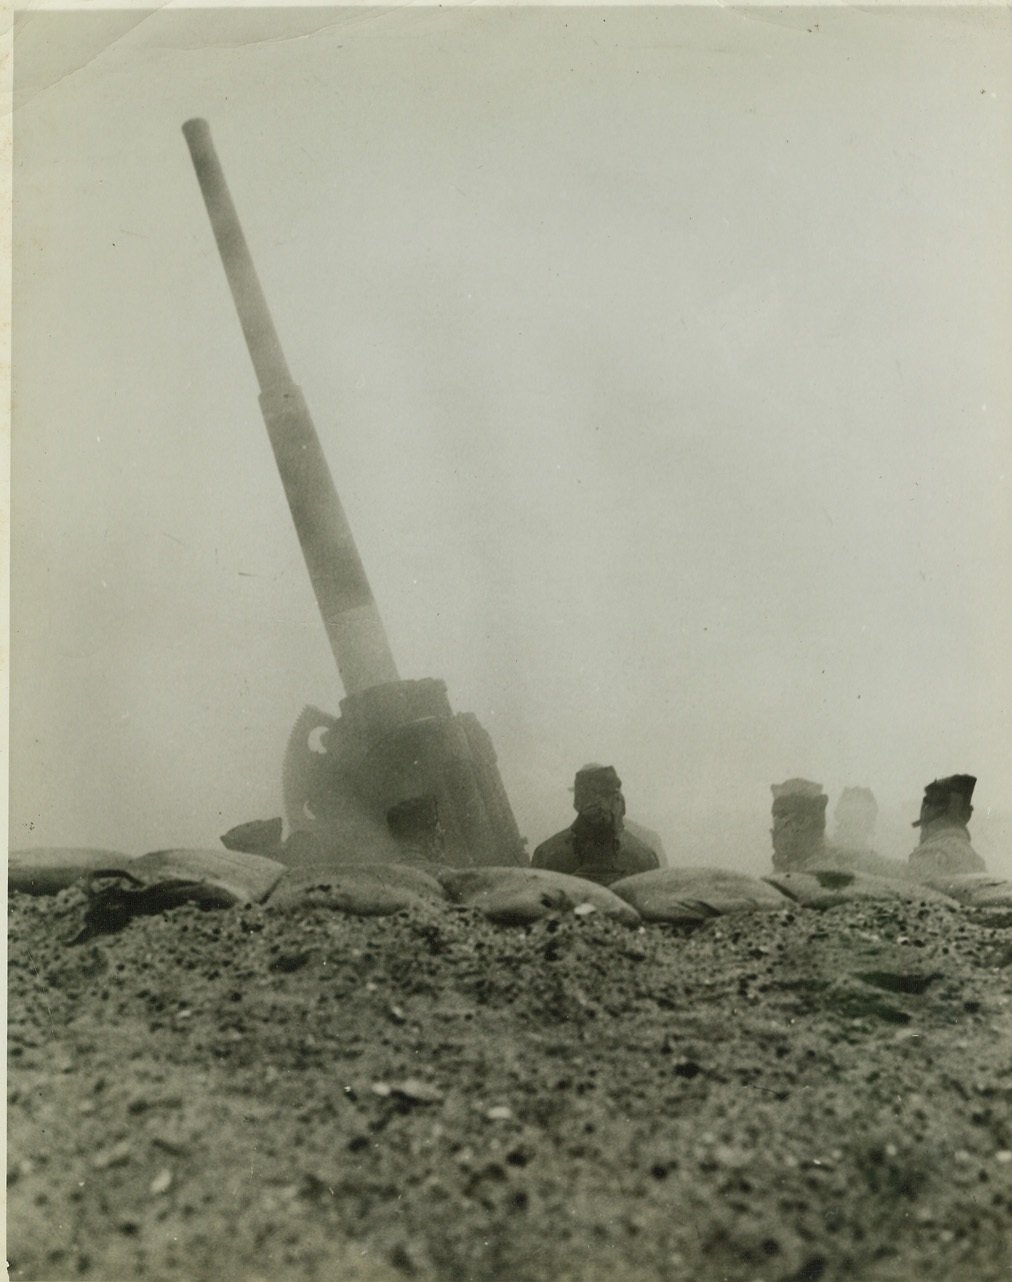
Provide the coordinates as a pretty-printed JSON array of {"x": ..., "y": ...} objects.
[
  {"x": 863, "y": 861},
  {"x": 828, "y": 887},
  {"x": 683, "y": 896},
  {"x": 518, "y": 896},
  {"x": 246, "y": 878},
  {"x": 353, "y": 843},
  {"x": 52, "y": 868},
  {"x": 256, "y": 837},
  {"x": 363, "y": 890},
  {"x": 167, "y": 879},
  {"x": 974, "y": 890}
]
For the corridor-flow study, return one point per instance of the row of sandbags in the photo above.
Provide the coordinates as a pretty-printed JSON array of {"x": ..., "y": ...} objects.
[
  {"x": 120, "y": 887},
  {"x": 240, "y": 877}
]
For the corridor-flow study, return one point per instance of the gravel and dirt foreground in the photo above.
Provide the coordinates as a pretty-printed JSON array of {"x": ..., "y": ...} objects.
[{"x": 292, "y": 1093}]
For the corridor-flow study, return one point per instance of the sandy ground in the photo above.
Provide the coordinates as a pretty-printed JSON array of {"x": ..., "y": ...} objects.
[{"x": 268, "y": 1093}]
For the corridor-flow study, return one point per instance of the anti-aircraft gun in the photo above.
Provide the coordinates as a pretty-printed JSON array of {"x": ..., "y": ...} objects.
[{"x": 397, "y": 761}]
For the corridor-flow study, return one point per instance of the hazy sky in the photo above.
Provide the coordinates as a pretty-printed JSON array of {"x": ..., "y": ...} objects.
[{"x": 661, "y": 357}]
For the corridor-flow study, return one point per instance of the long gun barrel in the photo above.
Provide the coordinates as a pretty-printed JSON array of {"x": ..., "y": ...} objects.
[{"x": 354, "y": 627}]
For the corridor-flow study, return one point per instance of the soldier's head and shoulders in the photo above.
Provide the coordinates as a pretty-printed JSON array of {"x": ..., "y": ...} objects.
[
  {"x": 597, "y": 844},
  {"x": 798, "y": 833},
  {"x": 944, "y": 847},
  {"x": 855, "y": 816}
]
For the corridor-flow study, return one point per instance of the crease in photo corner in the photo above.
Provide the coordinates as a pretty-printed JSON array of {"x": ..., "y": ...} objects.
[{"x": 765, "y": 10}]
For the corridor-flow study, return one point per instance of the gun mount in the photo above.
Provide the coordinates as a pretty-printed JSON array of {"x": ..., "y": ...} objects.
[{"x": 397, "y": 759}]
